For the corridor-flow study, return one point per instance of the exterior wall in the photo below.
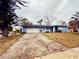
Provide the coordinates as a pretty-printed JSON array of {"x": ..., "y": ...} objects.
[
  {"x": 35, "y": 30},
  {"x": 24, "y": 30},
  {"x": 46, "y": 29},
  {"x": 53, "y": 29},
  {"x": 63, "y": 29},
  {"x": 38, "y": 30}
]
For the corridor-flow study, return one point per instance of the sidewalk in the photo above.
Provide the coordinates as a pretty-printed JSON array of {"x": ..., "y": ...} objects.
[{"x": 70, "y": 54}]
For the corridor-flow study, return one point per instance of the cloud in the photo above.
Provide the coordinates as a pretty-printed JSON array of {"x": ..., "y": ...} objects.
[
  {"x": 62, "y": 5},
  {"x": 62, "y": 9}
]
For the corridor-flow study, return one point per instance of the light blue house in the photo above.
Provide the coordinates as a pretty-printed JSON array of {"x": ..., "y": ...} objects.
[{"x": 43, "y": 28}]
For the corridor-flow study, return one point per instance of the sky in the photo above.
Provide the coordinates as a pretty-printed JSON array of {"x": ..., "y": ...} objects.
[{"x": 56, "y": 9}]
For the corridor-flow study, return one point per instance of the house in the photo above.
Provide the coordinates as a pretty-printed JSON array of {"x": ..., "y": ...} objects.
[{"x": 43, "y": 28}]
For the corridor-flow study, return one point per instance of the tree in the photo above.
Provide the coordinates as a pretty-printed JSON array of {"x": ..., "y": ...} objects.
[
  {"x": 40, "y": 21},
  {"x": 63, "y": 23},
  {"x": 7, "y": 13},
  {"x": 48, "y": 19},
  {"x": 25, "y": 21},
  {"x": 74, "y": 24}
]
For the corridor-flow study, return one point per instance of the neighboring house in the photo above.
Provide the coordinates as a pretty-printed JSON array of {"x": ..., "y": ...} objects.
[{"x": 44, "y": 28}]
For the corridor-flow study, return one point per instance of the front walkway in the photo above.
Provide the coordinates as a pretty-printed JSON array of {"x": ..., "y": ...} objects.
[{"x": 32, "y": 45}]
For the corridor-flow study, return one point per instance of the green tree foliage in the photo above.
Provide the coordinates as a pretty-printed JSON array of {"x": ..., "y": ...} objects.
[
  {"x": 7, "y": 13},
  {"x": 25, "y": 21}
]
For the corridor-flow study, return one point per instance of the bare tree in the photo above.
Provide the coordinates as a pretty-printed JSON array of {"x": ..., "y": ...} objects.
[
  {"x": 48, "y": 19},
  {"x": 63, "y": 23}
]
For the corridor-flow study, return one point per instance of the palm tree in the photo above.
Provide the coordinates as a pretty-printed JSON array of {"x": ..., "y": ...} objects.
[{"x": 40, "y": 22}]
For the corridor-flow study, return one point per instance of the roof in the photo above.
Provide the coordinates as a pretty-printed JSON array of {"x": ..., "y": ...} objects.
[{"x": 42, "y": 26}]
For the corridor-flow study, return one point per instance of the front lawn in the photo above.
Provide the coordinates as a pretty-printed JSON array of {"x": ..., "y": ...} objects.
[
  {"x": 5, "y": 43},
  {"x": 69, "y": 40}
]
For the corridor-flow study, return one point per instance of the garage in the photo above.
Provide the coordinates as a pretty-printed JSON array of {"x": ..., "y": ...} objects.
[{"x": 33, "y": 30}]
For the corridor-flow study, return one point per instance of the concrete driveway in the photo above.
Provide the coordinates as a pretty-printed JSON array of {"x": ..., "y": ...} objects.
[{"x": 31, "y": 46}]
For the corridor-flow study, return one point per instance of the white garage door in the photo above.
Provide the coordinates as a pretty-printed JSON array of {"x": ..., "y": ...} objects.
[{"x": 33, "y": 30}]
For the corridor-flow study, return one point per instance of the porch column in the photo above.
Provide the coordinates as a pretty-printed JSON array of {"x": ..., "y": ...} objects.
[{"x": 56, "y": 29}]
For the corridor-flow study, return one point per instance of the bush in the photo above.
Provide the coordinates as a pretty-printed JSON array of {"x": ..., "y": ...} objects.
[
  {"x": 47, "y": 32},
  {"x": 58, "y": 31},
  {"x": 75, "y": 30},
  {"x": 17, "y": 31}
]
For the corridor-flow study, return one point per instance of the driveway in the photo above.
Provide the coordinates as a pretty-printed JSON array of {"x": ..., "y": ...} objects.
[{"x": 31, "y": 46}]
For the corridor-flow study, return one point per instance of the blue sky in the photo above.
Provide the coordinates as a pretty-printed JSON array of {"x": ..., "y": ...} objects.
[{"x": 60, "y": 9}]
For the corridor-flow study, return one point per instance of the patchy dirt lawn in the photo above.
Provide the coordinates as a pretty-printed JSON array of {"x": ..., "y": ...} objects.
[
  {"x": 5, "y": 43},
  {"x": 69, "y": 40}
]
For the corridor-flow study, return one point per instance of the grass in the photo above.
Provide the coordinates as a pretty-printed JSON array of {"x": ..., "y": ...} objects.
[
  {"x": 5, "y": 43},
  {"x": 69, "y": 40}
]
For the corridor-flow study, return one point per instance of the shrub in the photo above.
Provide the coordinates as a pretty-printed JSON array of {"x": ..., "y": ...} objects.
[
  {"x": 47, "y": 32},
  {"x": 58, "y": 31},
  {"x": 17, "y": 31}
]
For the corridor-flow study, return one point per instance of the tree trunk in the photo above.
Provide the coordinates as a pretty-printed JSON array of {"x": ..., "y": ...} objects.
[{"x": 5, "y": 31}]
